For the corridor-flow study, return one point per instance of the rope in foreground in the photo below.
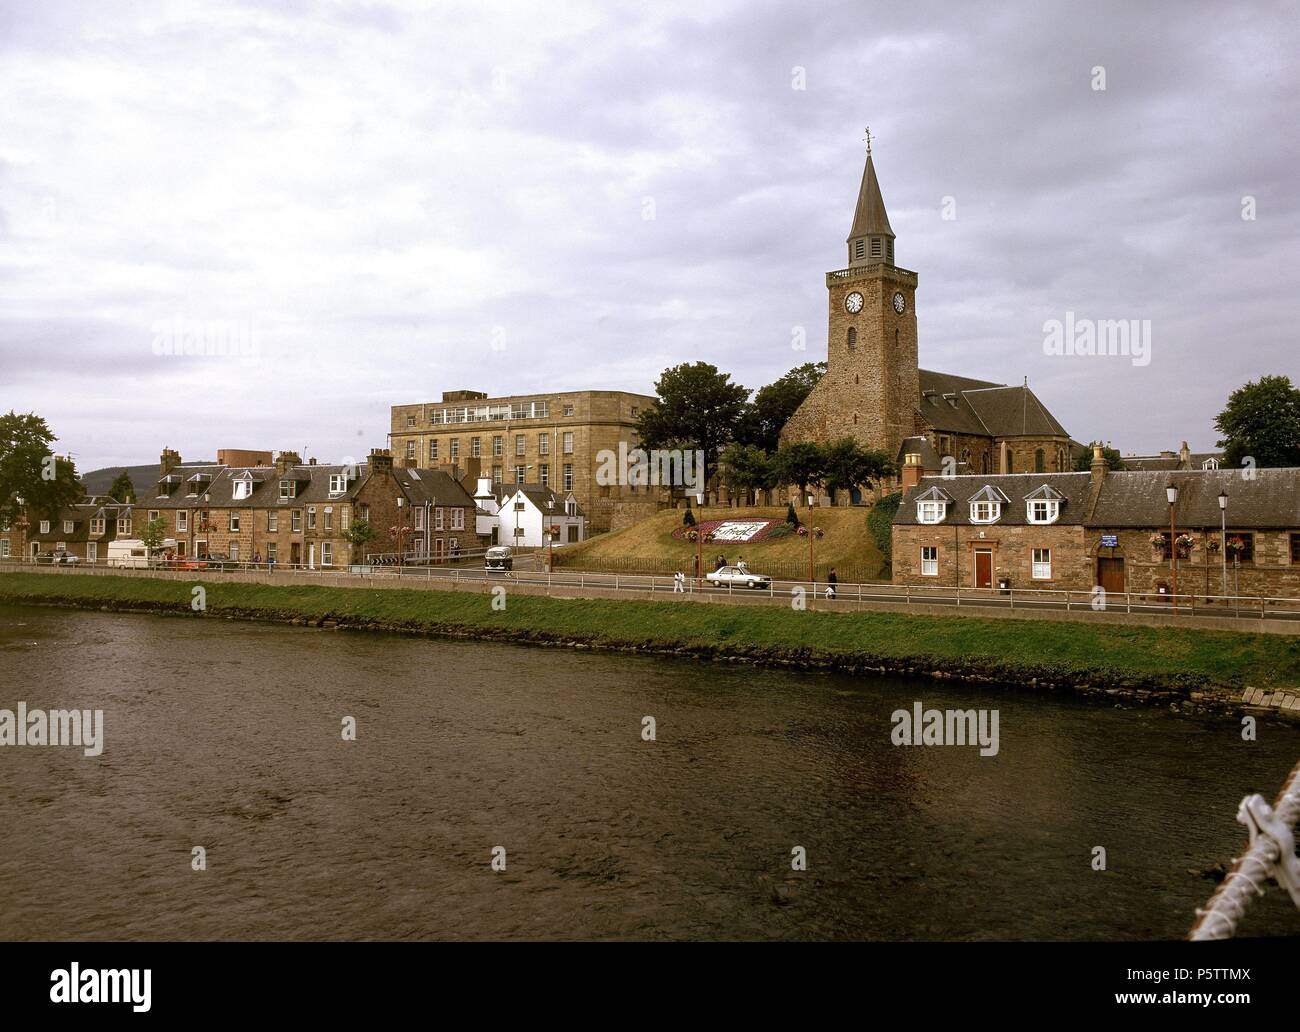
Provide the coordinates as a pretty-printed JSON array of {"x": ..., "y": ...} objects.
[{"x": 1271, "y": 854}]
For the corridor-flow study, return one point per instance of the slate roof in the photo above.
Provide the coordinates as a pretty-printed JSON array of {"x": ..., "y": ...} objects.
[
  {"x": 1166, "y": 462},
  {"x": 1129, "y": 498},
  {"x": 1073, "y": 487},
  {"x": 218, "y": 492},
  {"x": 1136, "y": 498},
  {"x": 432, "y": 486},
  {"x": 961, "y": 405},
  {"x": 538, "y": 495}
]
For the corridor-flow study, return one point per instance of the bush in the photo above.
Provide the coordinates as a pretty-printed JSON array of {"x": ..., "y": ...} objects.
[
  {"x": 689, "y": 519},
  {"x": 791, "y": 517},
  {"x": 880, "y": 522},
  {"x": 779, "y": 531}
]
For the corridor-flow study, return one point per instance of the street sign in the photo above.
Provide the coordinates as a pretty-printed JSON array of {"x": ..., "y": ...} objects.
[{"x": 1109, "y": 540}]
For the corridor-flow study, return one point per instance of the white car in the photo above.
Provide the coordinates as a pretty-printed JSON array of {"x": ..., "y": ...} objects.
[{"x": 738, "y": 577}]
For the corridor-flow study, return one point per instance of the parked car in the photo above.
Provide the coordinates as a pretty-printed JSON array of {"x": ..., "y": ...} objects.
[
  {"x": 499, "y": 557},
  {"x": 738, "y": 577},
  {"x": 57, "y": 558}
]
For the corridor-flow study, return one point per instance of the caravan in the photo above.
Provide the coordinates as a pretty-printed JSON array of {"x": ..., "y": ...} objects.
[{"x": 132, "y": 552}]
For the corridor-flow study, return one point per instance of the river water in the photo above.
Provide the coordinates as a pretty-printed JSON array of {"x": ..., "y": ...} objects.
[{"x": 227, "y": 736}]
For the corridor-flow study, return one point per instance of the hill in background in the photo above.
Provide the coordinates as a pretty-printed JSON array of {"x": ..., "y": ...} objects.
[{"x": 143, "y": 478}]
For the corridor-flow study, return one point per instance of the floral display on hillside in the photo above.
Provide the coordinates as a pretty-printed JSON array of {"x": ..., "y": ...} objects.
[{"x": 747, "y": 531}]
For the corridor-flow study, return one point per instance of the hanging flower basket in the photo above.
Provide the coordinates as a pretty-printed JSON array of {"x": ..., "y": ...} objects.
[
  {"x": 1212, "y": 544},
  {"x": 819, "y": 533},
  {"x": 1236, "y": 545},
  {"x": 802, "y": 532},
  {"x": 1184, "y": 543}
]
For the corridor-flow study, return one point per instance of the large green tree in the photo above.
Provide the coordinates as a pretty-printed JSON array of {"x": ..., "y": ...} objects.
[
  {"x": 698, "y": 407},
  {"x": 122, "y": 489},
  {"x": 761, "y": 422},
  {"x": 849, "y": 465},
  {"x": 802, "y": 464},
  {"x": 749, "y": 468},
  {"x": 1083, "y": 461},
  {"x": 30, "y": 474},
  {"x": 1262, "y": 422}
]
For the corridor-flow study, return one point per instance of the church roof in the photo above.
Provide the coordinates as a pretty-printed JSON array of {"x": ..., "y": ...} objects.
[
  {"x": 961, "y": 405},
  {"x": 870, "y": 218}
]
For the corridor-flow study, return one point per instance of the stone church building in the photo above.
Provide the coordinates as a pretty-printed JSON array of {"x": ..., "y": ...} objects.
[{"x": 875, "y": 392}]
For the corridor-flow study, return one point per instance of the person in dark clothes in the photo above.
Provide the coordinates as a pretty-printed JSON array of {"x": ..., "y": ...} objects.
[{"x": 831, "y": 581}]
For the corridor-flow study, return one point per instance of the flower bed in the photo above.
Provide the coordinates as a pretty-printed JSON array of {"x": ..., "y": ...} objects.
[{"x": 709, "y": 528}]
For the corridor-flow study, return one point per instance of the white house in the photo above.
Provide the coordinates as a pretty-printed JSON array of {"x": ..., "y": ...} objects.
[{"x": 526, "y": 512}]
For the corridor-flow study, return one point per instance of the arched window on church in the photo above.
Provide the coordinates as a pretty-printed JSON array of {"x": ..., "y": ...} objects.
[
  {"x": 853, "y": 338},
  {"x": 1040, "y": 461},
  {"x": 984, "y": 463}
]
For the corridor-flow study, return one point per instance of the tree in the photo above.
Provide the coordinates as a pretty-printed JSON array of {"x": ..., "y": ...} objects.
[
  {"x": 791, "y": 517},
  {"x": 802, "y": 464},
  {"x": 849, "y": 465},
  {"x": 697, "y": 408},
  {"x": 358, "y": 534},
  {"x": 749, "y": 468},
  {"x": 761, "y": 422},
  {"x": 122, "y": 489},
  {"x": 689, "y": 519},
  {"x": 153, "y": 533},
  {"x": 1083, "y": 462},
  {"x": 1262, "y": 421},
  {"x": 30, "y": 473}
]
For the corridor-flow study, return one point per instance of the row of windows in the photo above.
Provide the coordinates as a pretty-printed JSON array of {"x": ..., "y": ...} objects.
[
  {"x": 1040, "y": 562},
  {"x": 440, "y": 519},
  {"x": 498, "y": 446},
  {"x": 1039, "y": 511}
]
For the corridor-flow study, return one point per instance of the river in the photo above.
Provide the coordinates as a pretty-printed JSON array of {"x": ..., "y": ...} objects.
[{"x": 227, "y": 736}]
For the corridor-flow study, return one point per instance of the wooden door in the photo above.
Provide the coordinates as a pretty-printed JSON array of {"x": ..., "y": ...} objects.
[
  {"x": 1110, "y": 574},
  {"x": 983, "y": 568}
]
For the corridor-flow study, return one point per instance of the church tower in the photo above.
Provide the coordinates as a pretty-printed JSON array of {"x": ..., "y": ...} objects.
[{"x": 873, "y": 382}]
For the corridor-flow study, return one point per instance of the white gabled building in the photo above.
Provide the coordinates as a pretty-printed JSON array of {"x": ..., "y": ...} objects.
[{"x": 526, "y": 511}]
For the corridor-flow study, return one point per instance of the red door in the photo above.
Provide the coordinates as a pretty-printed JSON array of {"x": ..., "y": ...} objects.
[
  {"x": 1110, "y": 574},
  {"x": 983, "y": 568}
]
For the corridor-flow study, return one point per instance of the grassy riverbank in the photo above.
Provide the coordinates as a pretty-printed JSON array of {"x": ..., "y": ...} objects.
[{"x": 1019, "y": 651}]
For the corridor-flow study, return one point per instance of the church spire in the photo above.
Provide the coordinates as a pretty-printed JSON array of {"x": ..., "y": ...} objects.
[{"x": 871, "y": 240}]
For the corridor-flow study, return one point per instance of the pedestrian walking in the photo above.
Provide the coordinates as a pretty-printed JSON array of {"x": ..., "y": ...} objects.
[
  {"x": 831, "y": 581},
  {"x": 679, "y": 582}
]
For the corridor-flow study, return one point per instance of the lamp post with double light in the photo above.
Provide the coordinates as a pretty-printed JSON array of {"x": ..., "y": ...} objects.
[
  {"x": 1223, "y": 539},
  {"x": 1171, "y": 492}
]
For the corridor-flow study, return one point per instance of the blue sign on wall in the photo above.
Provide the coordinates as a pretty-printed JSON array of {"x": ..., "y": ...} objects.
[{"x": 1109, "y": 540}]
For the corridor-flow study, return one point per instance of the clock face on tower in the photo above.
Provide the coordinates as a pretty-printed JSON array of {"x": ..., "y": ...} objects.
[
  {"x": 853, "y": 303},
  {"x": 900, "y": 303}
]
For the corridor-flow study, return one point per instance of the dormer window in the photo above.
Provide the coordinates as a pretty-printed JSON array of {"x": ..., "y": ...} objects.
[
  {"x": 338, "y": 483},
  {"x": 243, "y": 489},
  {"x": 288, "y": 489},
  {"x": 986, "y": 505},
  {"x": 932, "y": 506},
  {"x": 930, "y": 512},
  {"x": 1044, "y": 505}
]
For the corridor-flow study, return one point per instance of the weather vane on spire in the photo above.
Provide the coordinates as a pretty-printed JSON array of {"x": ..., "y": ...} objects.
[{"x": 868, "y": 139}]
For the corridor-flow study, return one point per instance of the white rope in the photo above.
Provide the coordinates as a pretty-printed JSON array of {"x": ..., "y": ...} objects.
[{"x": 1271, "y": 855}]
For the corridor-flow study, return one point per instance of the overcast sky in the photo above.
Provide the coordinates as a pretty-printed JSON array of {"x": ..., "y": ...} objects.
[{"x": 385, "y": 201}]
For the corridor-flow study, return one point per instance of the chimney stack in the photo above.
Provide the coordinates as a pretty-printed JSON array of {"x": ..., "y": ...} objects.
[
  {"x": 286, "y": 460},
  {"x": 912, "y": 470},
  {"x": 381, "y": 460},
  {"x": 168, "y": 461}
]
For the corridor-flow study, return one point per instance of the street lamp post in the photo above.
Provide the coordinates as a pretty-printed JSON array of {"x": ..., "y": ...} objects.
[
  {"x": 812, "y": 570},
  {"x": 550, "y": 536},
  {"x": 1171, "y": 493},
  {"x": 1223, "y": 538}
]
